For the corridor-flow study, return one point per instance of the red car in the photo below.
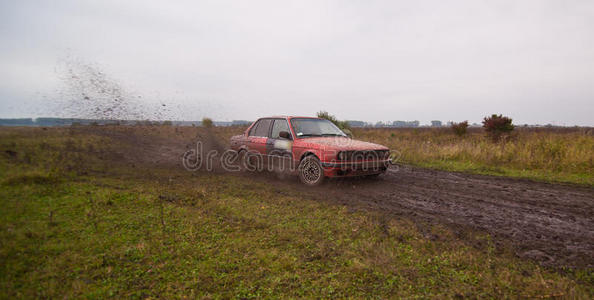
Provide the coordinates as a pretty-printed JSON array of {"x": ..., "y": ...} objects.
[{"x": 314, "y": 148}]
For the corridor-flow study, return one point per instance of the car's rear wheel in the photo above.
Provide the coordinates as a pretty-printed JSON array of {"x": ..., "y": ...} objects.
[
  {"x": 241, "y": 160},
  {"x": 248, "y": 161},
  {"x": 311, "y": 171}
]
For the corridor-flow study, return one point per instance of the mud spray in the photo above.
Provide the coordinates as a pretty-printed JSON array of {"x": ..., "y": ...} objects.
[{"x": 88, "y": 92}]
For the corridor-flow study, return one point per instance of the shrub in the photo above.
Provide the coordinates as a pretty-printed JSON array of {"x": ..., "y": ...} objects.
[
  {"x": 497, "y": 125},
  {"x": 460, "y": 128},
  {"x": 207, "y": 122}
]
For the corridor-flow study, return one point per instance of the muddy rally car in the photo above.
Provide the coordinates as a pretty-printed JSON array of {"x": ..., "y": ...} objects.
[{"x": 313, "y": 148}]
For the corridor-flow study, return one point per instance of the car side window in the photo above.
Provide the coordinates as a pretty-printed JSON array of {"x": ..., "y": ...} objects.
[
  {"x": 278, "y": 126},
  {"x": 253, "y": 130},
  {"x": 263, "y": 127}
]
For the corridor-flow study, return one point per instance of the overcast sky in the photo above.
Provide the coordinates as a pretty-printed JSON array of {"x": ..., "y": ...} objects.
[{"x": 359, "y": 60}]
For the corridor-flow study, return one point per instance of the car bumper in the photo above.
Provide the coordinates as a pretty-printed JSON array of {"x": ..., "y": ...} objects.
[{"x": 361, "y": 168}]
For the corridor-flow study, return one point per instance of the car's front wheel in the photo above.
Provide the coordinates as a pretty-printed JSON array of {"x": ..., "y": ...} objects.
[{"x": 311, "y": 171}]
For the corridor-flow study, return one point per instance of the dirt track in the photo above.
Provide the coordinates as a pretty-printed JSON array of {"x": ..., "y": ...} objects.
[
  {"x": 549, "y": 223},
  {"x": 552, "y": 224}
]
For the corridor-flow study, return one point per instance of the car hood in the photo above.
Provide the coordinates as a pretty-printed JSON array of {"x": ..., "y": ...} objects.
[{"x": 340, "y": 143}]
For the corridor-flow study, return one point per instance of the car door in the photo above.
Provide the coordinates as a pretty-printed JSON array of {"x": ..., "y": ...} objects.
[
  {"x": 278, "y": 149},
  {"x": 258, "y": 136}
]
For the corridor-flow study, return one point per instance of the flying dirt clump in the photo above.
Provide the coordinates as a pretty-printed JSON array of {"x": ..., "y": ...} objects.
[{"x": 89, "y": 93}]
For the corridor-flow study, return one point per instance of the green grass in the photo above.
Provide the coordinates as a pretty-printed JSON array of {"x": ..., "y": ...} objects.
[{"x": 149, "y": 232}]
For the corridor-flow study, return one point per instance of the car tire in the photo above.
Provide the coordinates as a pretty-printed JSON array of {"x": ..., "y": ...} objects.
[
  {"x": 311, "y": 171},
  {"x": 246, "y": 163},
  {"x": 240, "y": 160}
]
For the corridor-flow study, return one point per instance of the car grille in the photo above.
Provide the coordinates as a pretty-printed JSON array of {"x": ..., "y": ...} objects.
[{"x": 366, "y": 155}]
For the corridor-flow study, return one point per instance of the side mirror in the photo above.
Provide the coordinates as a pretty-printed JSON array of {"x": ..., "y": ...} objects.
[{"x": 285, "y": 135}]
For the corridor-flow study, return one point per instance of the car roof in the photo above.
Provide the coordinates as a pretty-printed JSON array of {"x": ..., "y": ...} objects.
[{"x": 287, "y": 117}]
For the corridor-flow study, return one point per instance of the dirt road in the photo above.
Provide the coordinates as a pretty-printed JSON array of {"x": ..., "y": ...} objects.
[{"x": 552, "y": 224}]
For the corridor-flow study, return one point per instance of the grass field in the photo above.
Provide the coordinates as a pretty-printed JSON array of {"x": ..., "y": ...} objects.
[
  {"x": 546, "y": 154},
  {"x": 77, "y": 220}
]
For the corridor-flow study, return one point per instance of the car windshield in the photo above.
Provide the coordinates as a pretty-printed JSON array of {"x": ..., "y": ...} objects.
[{"x": 315, "y": 127}]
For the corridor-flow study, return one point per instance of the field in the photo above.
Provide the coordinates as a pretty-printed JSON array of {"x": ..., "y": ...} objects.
[
  {"x": 545, "y": 154},
  {"x": 101, "y": 212}
]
